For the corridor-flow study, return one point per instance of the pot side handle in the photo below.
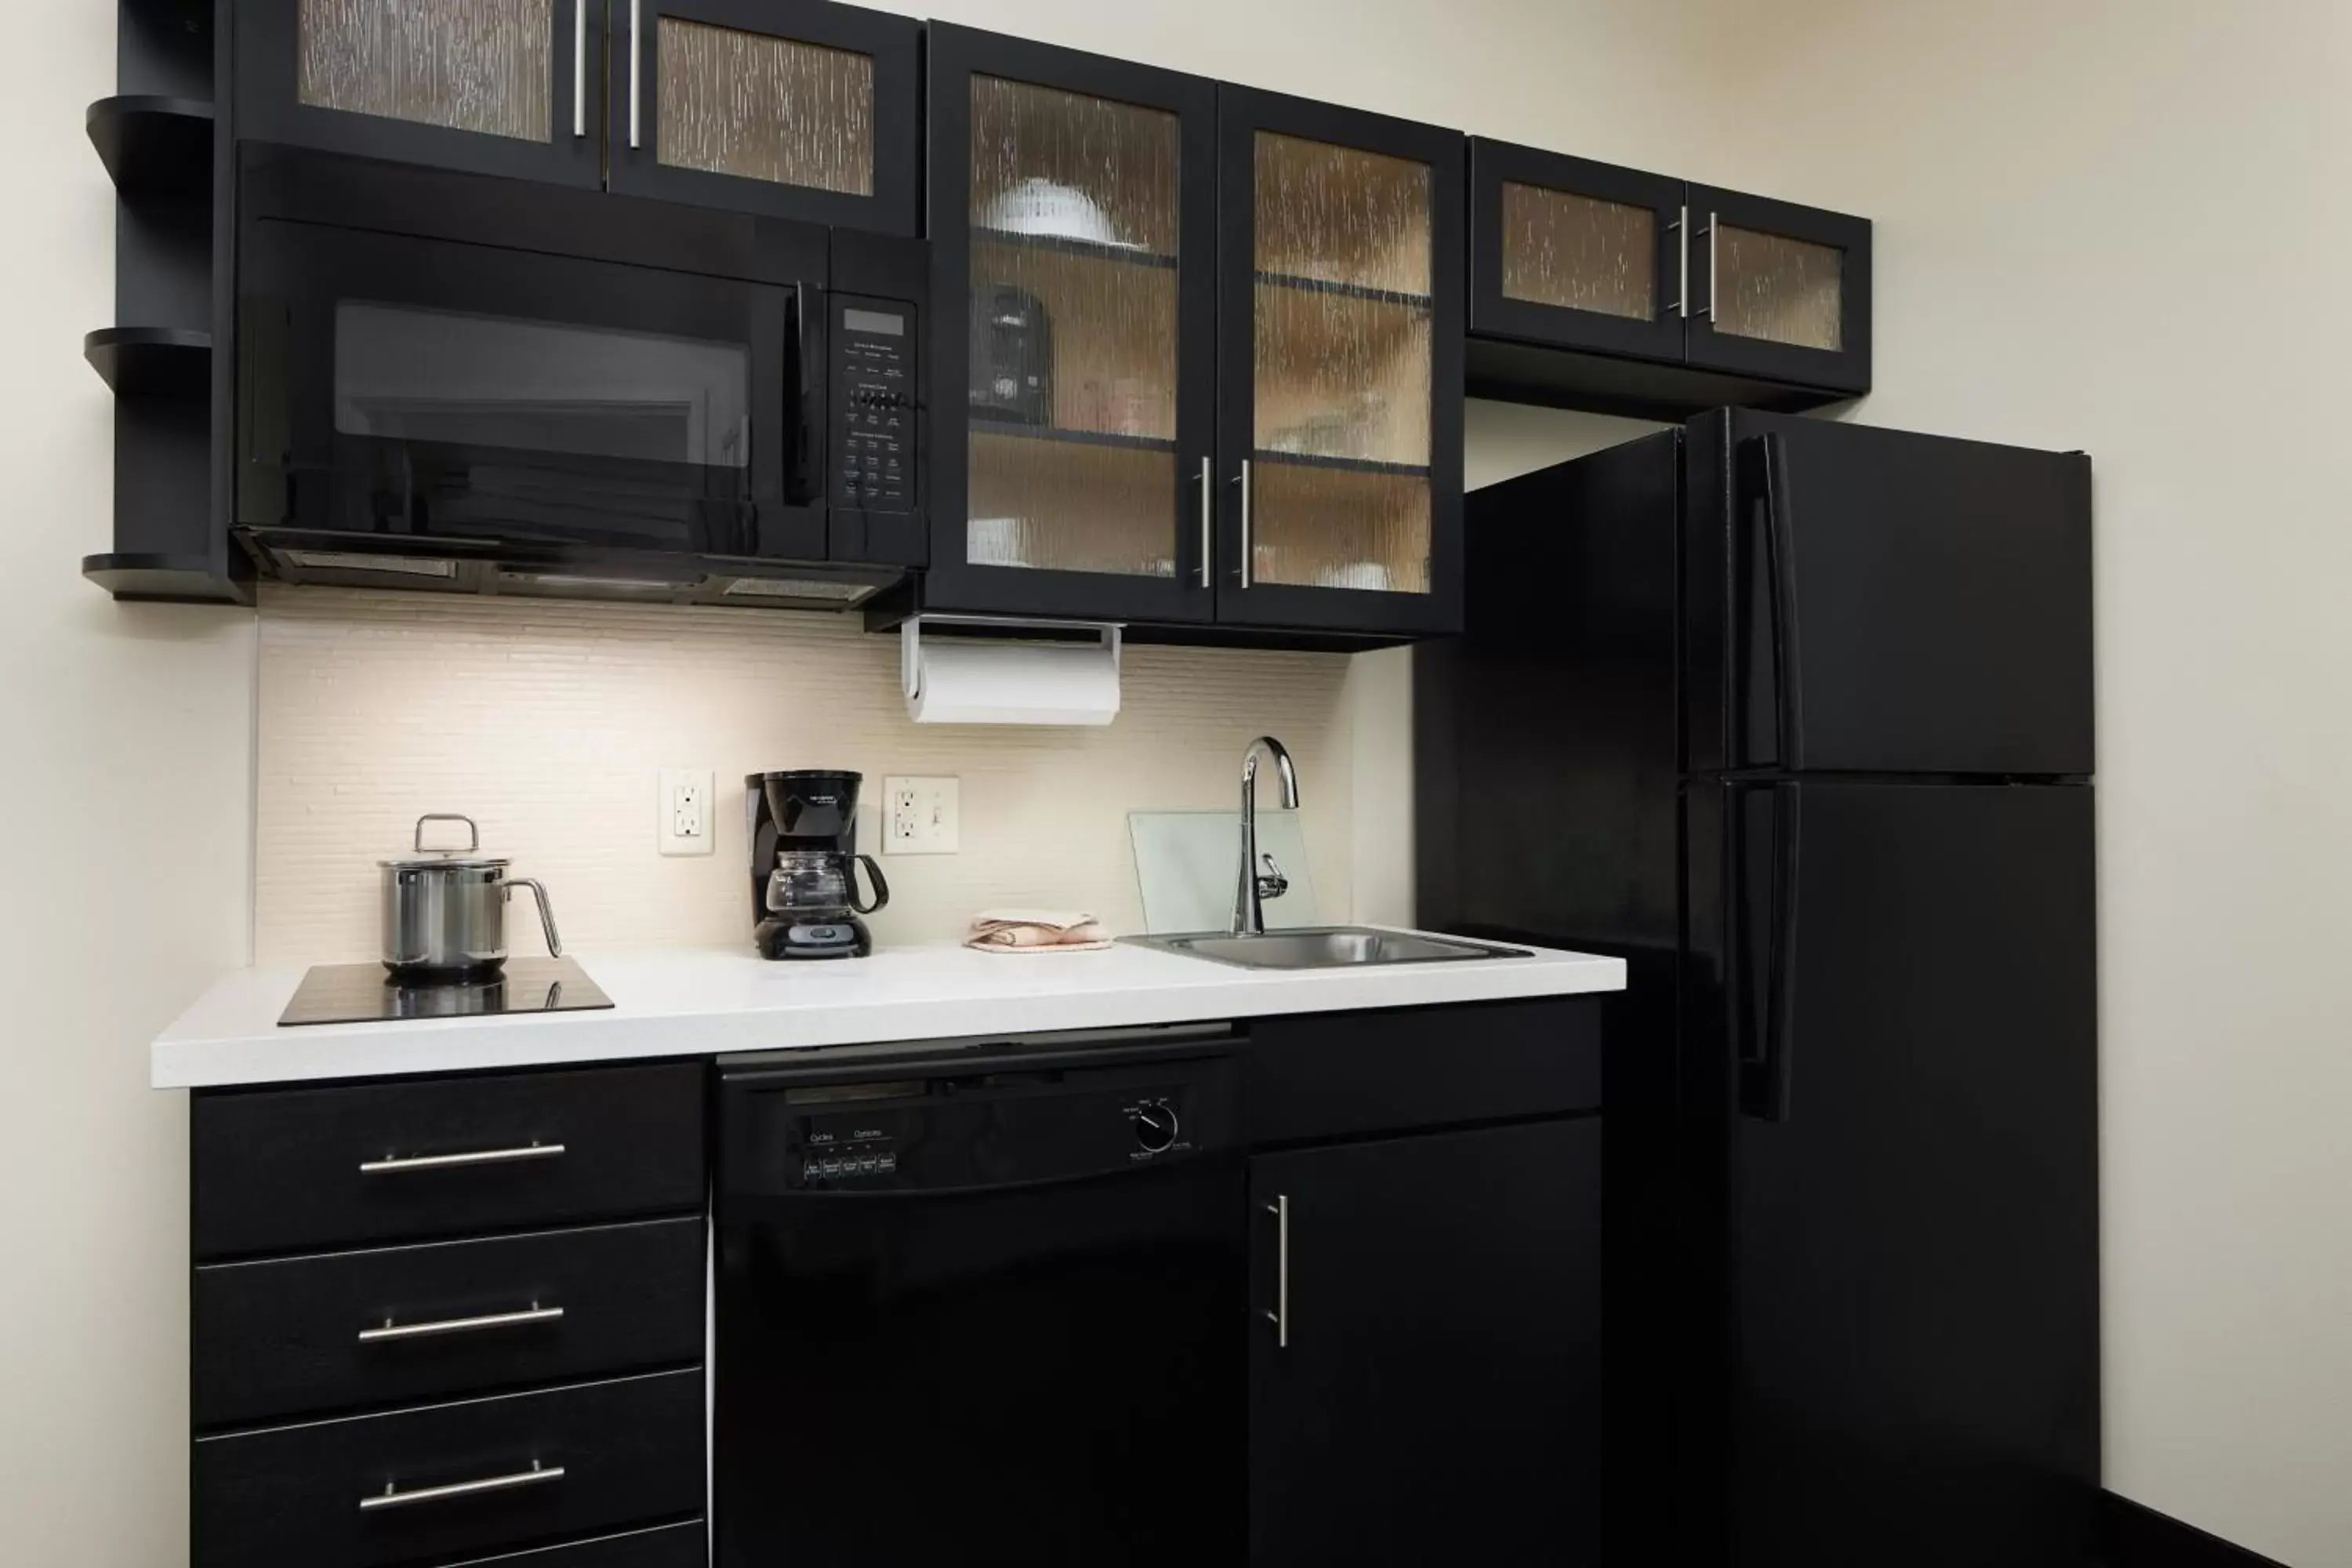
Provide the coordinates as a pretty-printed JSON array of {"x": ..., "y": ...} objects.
[{"x": 546, "y": 915}]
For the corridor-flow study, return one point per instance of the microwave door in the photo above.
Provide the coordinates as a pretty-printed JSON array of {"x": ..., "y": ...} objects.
[{"x": 450, "y": 390}]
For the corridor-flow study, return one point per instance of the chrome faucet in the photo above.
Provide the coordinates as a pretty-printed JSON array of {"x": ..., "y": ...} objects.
[{"x": 1255, "y": 888}]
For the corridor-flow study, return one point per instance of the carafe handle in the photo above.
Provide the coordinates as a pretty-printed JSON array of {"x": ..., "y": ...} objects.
[{"x": 873, "y": 873}]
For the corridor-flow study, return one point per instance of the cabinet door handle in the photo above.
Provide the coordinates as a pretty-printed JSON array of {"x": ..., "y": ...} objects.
[
  {"x": 392, "y": 1164},
  {"x": 1714, "y": 222},
  {"x": 1242, "y": 479},
  {"x": 1280, "y": 1316},
  {"x": 579, "y": 69},
  {"x": 1680, "y": 228},
  {"x": 534, "y": 1313},
  {"x": 391, "y": 1496},
  {"x": 1208, "y": 522},
  {"x": 635, "y": 37}
]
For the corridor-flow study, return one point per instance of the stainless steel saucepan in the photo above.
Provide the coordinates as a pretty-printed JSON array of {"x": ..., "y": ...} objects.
[{"x": 445, "y": 911}]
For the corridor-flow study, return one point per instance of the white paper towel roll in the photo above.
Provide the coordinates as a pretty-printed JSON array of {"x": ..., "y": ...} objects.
[{"x": 987, "y": 682}]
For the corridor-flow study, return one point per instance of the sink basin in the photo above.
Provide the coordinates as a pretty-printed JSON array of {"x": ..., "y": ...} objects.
[{"x": 1324, "y": 947}]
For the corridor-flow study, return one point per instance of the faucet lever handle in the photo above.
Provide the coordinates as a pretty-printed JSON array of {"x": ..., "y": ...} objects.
[{"x": 1272, "y": 884}]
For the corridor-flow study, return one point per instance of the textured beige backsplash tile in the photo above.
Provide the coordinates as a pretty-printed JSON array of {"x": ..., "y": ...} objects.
[{"x": 547, "y": 722}]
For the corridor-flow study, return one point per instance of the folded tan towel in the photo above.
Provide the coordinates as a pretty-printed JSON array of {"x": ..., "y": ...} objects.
[{"x": 1035, "y": 931}]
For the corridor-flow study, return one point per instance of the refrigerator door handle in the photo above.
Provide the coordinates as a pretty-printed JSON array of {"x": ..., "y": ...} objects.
[
  {"x": 1767, "y": 1041},
  {"x": 1771, "y": 466}
]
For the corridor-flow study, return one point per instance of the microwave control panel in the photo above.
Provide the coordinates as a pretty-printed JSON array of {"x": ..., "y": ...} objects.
[{"x": 874, "y": 387}]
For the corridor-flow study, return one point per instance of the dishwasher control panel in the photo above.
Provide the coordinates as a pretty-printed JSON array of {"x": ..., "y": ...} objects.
[{"x": 1002, "y": 1128}]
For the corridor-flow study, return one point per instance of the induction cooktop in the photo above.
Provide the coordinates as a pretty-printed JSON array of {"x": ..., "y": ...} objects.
[{"x": 366, "y": 994}]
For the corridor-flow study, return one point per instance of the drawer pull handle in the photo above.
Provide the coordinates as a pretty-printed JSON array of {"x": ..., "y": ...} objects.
[
  {"x": 392, "y": 1164},
  {"x": 392, "y": 1497},
  {"x": 534, "y": 1313}
]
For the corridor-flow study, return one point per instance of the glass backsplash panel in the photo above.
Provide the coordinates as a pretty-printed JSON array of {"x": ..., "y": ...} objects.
[
  {"x": 1779, "y": 289},
  {"x": 1070, "y": 506},
  {"x": 1578, "y": 252},
  {"x": 765, "y": 107},
  {"x": 486, "y": 66}
]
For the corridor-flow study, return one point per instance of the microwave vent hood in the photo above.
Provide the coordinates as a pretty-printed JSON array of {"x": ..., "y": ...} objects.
[{"x": 509, "y": 568}]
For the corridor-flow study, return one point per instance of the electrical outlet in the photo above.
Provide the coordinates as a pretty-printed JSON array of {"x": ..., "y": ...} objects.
[
  {"x": 683, "y": 811},
  {"x": 919, "y": 816}
]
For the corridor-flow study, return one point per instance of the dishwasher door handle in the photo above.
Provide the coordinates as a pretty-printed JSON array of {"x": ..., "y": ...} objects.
[{"x": 1280, "y": 1315}]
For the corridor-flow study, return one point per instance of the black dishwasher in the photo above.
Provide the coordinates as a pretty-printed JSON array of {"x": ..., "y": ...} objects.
[{"x": 981, "y": 1301}]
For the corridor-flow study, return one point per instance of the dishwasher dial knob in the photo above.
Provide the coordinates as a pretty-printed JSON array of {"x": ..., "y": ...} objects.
[{"x": 1155, "y": 1125}]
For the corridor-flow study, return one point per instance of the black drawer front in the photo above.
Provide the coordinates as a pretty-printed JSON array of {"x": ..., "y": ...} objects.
[
  {"x": 665, "y": 1546},
  {"x": 284, "y": 1337},
  {"x": 1324, "y": 1074},
  {"x": 280, "y": 1170},
  {"x": 630, "y": 1450}
]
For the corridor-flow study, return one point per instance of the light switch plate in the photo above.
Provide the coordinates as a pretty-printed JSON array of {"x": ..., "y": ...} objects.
[
  {"x": 686, "y": 817},
  {"x": 919, "y": 816}
]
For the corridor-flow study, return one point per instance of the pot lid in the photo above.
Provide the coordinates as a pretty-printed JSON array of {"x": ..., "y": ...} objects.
[{"x": 447, "y": 858}]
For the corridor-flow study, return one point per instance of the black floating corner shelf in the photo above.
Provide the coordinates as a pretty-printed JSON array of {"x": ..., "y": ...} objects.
[
  {"x": 151, "y": 362},
  {"x": 162, "y": 578},
  {"x": 155, "y": 145}
]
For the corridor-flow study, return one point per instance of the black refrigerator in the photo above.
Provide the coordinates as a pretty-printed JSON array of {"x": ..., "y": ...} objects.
[{"x": 1796, "y": 717}]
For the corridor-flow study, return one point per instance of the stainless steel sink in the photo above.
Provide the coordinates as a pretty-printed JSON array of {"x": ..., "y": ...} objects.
[{"x": 1323, "y": 947}]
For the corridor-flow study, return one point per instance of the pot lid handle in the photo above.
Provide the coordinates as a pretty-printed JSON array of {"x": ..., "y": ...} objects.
[{"x": 473, "y": 834}]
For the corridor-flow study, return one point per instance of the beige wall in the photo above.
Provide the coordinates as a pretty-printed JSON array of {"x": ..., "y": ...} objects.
[{"x": 2100, "y": 225}]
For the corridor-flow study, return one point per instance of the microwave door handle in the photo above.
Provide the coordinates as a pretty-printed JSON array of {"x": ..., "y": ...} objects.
[{"x": 804, "y": 384}]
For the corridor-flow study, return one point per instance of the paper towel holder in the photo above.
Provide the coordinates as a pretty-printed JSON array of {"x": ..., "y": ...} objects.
[{"x": 910, "y": 633}]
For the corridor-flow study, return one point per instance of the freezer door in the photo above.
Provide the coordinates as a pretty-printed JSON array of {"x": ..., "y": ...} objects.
[
  {"x": 1873, "y": 600},
  {"x": 1892, "y": 995}
]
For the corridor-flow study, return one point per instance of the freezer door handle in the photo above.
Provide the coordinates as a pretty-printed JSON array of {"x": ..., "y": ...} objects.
[
  {"x": 1764, "y": 466},
  {"x": 1764, "y": 1007}
]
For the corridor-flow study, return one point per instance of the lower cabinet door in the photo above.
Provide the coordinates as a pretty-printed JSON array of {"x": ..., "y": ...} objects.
[
  {"x": 1425, "y": 1375},
  {"x": 664, "y": 1546},
  {"x": 452, "y": 1480}
]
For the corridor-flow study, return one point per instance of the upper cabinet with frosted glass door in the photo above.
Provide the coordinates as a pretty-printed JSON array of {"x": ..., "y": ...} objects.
[
  {"x": 798, "y": 108},
  {"x": 1072, "y": 224},
  {"x": 1339, "y": 415},
  {"x": 1598, "y": 287}
]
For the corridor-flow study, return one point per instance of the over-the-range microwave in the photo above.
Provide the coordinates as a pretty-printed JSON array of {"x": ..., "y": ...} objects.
[{"x": 483, "y": 386}]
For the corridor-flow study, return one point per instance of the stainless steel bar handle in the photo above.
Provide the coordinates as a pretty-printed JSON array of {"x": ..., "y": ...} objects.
[
  {"x": 392, "y": 1164},
  {"x": 473, "y": 834},
  {"x": 635, "y": 41},
  {"x": 391, "y": 1496},
  {"x": 1681, "y": 225},
  {"x": 1242, "y": 479},
  {"x": 546, "y": 912},
  {"x": 1713, "y": 273},
  {"x": 1208, "y": 522},
  {"x": 1280, "y": 1316},
  {"x": 579, "y": 68},
  {"x": 534, "y": 1313}
]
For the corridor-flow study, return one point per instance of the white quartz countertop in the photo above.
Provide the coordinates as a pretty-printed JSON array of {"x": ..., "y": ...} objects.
[{"x": 702, "y": 1002}]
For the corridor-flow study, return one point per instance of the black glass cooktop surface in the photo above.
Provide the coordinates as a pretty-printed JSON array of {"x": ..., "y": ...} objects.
[{"x": 366, "y": 994}]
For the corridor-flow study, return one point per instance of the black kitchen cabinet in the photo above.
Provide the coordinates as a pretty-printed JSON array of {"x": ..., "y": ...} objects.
[
  {"x": 1073, "y": 219},
  {"x": 1206, "y": 342},
  {"x": 1603, "y": 287},
  {"x": 796, "y": 107},
  {"x": 1426, "y": 1378}
]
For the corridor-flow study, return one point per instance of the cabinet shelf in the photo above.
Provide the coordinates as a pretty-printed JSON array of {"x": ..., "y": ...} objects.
[
  {"x": 1069, "y": 245},
  {"x": 1346, "y": 290},
  {"x": 151, "y": 362},
  {"x": 982, "y": 423},
  {"x": 153, "y": 144},
  {"x": 1344, "y": 465}
]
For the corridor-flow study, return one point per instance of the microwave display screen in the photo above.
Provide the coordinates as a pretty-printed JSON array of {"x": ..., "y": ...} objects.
[
  {"x": 403, "y": 374},
  {"x": 880, "y": 322}
]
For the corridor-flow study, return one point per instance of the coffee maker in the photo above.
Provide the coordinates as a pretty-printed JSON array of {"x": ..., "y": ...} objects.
[{"x": 804, "y": 864}]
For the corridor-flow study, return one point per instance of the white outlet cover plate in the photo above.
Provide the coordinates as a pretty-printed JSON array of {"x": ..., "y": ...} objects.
[
  {"x": 686, "y": 817},
  {"x": 920, "y": 816}
]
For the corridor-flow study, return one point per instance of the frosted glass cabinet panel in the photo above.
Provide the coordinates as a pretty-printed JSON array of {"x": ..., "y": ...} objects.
[
  {"x": 1345, "y": 482},
  {"x": 1778, "y": 289},
  {"x": 763, "y": 107},
  {"x": 487, "y": 66},
  {"x": 1073, "y": 238},
  {"x": 1579, "y": 252},
  {"x": 1575, "y": 254}
]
